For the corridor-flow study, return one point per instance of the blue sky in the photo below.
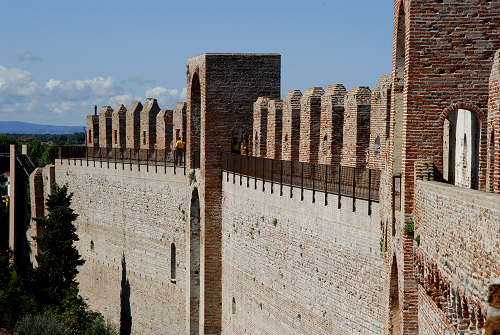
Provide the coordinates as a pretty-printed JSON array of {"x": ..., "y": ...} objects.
[{"x": 59, "y": 58}]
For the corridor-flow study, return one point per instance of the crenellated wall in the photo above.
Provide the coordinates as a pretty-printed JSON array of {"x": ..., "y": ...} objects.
[
  {"x": 133, "y": 125},
  {"x": 164, "y": 130},
  {"x": 260, "y": 127},
  {"x": 380, "y": 122},
  {"x": 105, "y": 124},
  {"x": 332, "y": 122},
  {"x": 148, "y": 124},
  {"x": 310, "y": 118},
  {"x": 291, "y": 126},
  {"x": 274, "y": 128},
  {"x": 118, "y": 125},
  {"x": 493, "y": 176}
]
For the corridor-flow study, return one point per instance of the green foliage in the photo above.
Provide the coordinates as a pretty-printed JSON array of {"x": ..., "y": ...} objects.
[
  {"x": 7, "y": 139},
  {"x": 417, "y": 239},
  {"x": 58, "y": 139},
  {"x": 409, "y": 228},
  {"x": 58, "y": 258},
  {"x": 100, "y": 327},
  {"x": 44, "y": 324}
]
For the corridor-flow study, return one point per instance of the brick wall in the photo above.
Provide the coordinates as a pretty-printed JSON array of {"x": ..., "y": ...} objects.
[
  {"x": 92, "y": 131},
  {"x": 291, "y": 126},
  {"x": 310, "y": 117},
  {"x": 332, "y": 122},
  {"x": 379, "y": 122},
  {"x": 127, "y": 221},
  {"x": 105, "y": 138},
  {"x": 274, "y": 129},
  {"x": 458, "y": 232},
  {"x": 298, "y": 267},
  {"x": 164, "y": 130},
  {"x": 356, "y": 127},
  {"x": 179, "y": 121},
  {"x": 133, "y": 125},
  {"x": 148, "y": 123},
  {"x": 221, "y": 89},
  {"x": 118, "y": 119},
  {"x": 493, "y": 178},
  {"x": 431, "y": 319},
  {"x": 259, "y": 138}
]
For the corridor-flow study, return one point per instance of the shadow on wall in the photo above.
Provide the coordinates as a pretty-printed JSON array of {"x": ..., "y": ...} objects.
[{"x": 125, "y": 313}]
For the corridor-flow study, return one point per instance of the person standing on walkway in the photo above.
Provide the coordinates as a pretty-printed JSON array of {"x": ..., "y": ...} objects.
[{"x": 179, "y": 151}]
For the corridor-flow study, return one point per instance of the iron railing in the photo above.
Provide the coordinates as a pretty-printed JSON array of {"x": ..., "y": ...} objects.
[
  {"x": 123, "y": 157},
  {"x": 355, "y": 183}
]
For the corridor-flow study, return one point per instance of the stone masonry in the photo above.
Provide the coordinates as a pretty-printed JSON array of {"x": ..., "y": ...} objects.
[
  {"x": 105, "y": 131},
  {"x": 291, "y": 126},
  {"x": 148, "y": 123},
  {"x": 332, "y": 122},
  {"x": 260, "y": 127},
  {"x": 310, "y": 117},
  {"x": 133, "y": 125},
  {"x": 118, "y": 121},
  {"x": 274, "y": 129}
]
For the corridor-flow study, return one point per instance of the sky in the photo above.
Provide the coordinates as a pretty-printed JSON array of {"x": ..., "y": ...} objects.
[{"x": 59, "y": 58}]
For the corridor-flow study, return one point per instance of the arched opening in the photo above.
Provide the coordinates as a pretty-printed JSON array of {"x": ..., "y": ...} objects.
[
  {"x": 399, "y": 81},
  {"x": 395, "y": 314},
  {"x": 195, "y": 122},
  {"x": 461, "y": 140},
  {"x": 194, "y": 264},
  {"x": 377, "y": 147},
  {"x": 172, "y": 264},
  {"x": 233, "y": 306},
  {"x": 236, "y": 140}
]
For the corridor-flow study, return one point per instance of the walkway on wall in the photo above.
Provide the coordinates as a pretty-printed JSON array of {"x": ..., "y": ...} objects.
[{"x": 355, "y": 183}]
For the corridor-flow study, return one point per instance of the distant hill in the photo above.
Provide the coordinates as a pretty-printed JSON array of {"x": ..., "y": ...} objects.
[{"x": 15, "y": 127}]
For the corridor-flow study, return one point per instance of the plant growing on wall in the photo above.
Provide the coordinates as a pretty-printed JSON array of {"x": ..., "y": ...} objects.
[{"x": 409, "y": 228}]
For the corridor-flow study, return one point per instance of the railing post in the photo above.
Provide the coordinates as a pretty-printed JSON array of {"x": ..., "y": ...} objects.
[
  {"x": 130, "y": 156},
  {"x": 87, "y": 155},
  {"x": 247, "y": 169},
  {"x": 326, "y": 185},
  {"x": 114, "y": 152},
  {"x": 302, "y": 181},
  {"x": 263, "y": 160},
  {"x": 156, "y": 160},
  {"x": 313, "y": 168},
  {"x": 123, "y": 160},
  {"x": 339, "y": 204},
  {"x": 369, "y": 192},
  {"x": 255, "y": 171},
  {"x": 100, "y": 156},
  {"x": 184, "y": 160},
  {"x": 354, "y": 189},
  {"x": 291, "y": 179},
  {"x": 272, "y": 176},
  {"x": 165, "y": 162},
  {"x": 281, "y": 178},
  {"x": 107, "y": 157},
  {"x": 60, "y": 154},
  {"x": 138, "y": 159},
  {"x": 227, "y": 169},
  {"x": 147, "y": 160},
  {"x": 175, "y": 161}
]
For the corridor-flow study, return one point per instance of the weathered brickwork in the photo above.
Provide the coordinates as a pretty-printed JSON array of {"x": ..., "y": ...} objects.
[
  {"x": 493, "y": 178},
  {"x": 297, "y": 267},
  {"x": 133, "y": 125},
  {"x": 458, "y": 236},
  {"x": 356, "y": 127},
  {"x": 92, "y": 130},
  {"x": 310, "y": 117},
  {"x": 164, "y": 128},
  {"x": 179, "y": 121},
  {"x": 431, "y": 319},
  {"x": 105, "y": 127},
  {"x": 331, "y": 124},
  {"x": 221, "y": 90},
  {"x": 274, "y": 129},
  {"x": 260, "y": 127},
  {"x": 127, "y": 223},
  {"x": 148, "y": 123},
  {"x": 118, "y": 125},
  {"x": 379, "y": 122},
  {"x": 291, "y": 126}
]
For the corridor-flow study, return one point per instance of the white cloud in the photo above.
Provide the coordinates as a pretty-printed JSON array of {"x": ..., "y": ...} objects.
[
  {"x": 67, "y": 101},
  {"x": 27, "y": 56}
]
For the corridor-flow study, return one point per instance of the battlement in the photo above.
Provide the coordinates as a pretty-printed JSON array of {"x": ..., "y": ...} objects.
[{"x": 138, "y": 127}]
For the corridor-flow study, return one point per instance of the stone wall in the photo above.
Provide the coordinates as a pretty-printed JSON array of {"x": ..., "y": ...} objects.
[
  {"x": 118, "y": 126},
  {"x": 493, "y": 178},
  {"x": 297, "y": 267},
  {"x": 128, "y": 220}
]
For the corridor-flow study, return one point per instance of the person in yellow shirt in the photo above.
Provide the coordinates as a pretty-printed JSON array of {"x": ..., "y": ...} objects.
[{"x": 179, "y": 151}]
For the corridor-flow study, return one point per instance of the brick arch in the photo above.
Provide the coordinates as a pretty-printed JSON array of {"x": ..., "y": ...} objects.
[{"x": 483, "y": 140}]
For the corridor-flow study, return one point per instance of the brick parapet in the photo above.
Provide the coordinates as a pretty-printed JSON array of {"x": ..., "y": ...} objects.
[
  {"x": 92, "y": 137},
  {"x": 118, "y": 126},
  {"x": 133, "y": 125},
  {"x": 179, "y": 121},
  {"x": 274, "y": 128},
  {"x": 380, "y": 122},
  {"x": 310, "y": 119},
  {"x": 148, "y": 123},
  {"x": 291, "y": 126},
  {"x": 105, "y": 131},
  {"x": 331, "y": 124},
  {"x": 260, "y": 110},
  {"x": 493, "y": 178},
  {"x": 164, "y": 130},
  {"x": 356, "y": 128}
]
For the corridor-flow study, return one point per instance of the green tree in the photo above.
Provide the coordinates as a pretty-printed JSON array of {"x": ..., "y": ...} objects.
[{"x": 58, "y": 258}]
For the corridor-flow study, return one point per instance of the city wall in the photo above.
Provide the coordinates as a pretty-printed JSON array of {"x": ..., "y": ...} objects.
[
  {"x": 128, "y": 222},
  {"x": 293, "y": 266}
]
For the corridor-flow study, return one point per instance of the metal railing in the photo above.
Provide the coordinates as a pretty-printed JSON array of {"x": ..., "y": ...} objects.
[
  {"x": 355, "y": 183},
  {"x": 123, "y": 157}
]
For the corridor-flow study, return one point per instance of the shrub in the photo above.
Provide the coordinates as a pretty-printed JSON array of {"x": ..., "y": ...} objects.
[
  {"x": 39, "y": 325},
  {"x": 100, "y": 327},
  {"x": 409, "y": 228}
]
